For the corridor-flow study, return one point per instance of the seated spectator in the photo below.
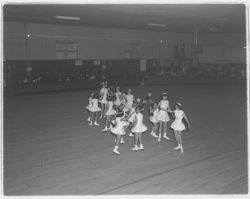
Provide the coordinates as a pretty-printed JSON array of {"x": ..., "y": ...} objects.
[
  {"x": 87, "y": 76},
  {"x": 104, "y": 78},
  {"x": 37, "y": 79},
  {"x": 81, "y": 76},
  {"x": 26, "y": 80},
  {"x": 92, "y": 76}
]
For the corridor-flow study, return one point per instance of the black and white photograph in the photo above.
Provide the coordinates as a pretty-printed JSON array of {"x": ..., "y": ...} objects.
[{"x": 124, "y": 99}]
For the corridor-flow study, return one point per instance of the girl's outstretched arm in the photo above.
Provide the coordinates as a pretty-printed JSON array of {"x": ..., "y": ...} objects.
[
  {"x": 169, "y": 110},
  {"x": 159, "y": 104},
  {"x": 130, "y": 114},
  {"x": 171, "y": 113},
  {"x": 124, "y": 119}
]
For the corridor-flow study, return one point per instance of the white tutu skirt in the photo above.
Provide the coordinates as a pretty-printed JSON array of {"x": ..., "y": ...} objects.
[
  {"x": 117, "y": 102},
  {"x": 89, "y": 107},
  {"x": 153, "y": 119},
  {"x": 128, "y": 107},
  {"x": 111, "y": 112},
  {"x": 163, "y": 116},
  {"x": 94, "y": 109},
  {"x": 103, "y": 101},
  {"x": 119, "y": 130},
  {"x": 139, "y": 129},
  {"x": 178, "y": 125}
]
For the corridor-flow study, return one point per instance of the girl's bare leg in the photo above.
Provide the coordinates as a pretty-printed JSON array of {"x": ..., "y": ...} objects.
[
  {"x": 122, "y": 140},
  {"x": 160, "y": 130},
  {"x": 95, "y": 119},
  {"x": 140, "y": 141},
  {"x": 106, "y": 124},
  {"x": 139, "y": 138},
  {"x": 102, "y": 110},
  {"x": 165, "y": 131},
  {"x": 154, "y": 129},
  {"x": 118, "y": 139},
  {"x": 180, "y": 141},
  {"x": 115, "y": 150},
  {"x": 136, "y": 142},
  {"x": 92, "y": 119},
  {"x": 109, "y": 121},
  {"x": 177, "y": 140},
  {"x": 89, "y": 117}
]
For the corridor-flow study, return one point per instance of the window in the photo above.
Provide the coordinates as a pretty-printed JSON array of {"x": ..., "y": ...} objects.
[{"x": 66, "y": 50}]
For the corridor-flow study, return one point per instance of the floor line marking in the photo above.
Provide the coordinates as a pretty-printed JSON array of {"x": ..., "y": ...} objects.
[{"x": 169, "y": 170}]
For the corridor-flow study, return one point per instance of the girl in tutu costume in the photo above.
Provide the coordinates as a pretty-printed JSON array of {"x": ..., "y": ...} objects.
[
  {"x": 89, "y": 107},
  {"x": 154, "y": 111},
  {"x": 178, "y": 125},
  {"x": 103, "y": 99},
  {"x": 138, "y": 128},
  {"x": 109, "y": 112},
  {"x": 123, "y": 102},
  {"x": 119, "y": 130},
  {"x": 163, "y": 116},
  {"x": 118, "y": 96},
  {"x": 129, "y": 101},
  {"x": 149, "y": 99},
  {"x": 149, "y": 102},
  {"x": 131, "y": 117},
  {"x": 94, "y": 109}
]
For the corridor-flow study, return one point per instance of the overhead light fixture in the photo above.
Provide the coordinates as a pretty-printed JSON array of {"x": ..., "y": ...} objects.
[
  {"x": 67, "y": 17},
  {"x": 157, "y": 25},
  {"x": 215, "y": 29}
]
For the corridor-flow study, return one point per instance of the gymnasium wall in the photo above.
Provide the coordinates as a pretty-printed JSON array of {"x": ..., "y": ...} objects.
[
  {"x": 219, "y": 54},
  {"x": 107, "y": 43}
]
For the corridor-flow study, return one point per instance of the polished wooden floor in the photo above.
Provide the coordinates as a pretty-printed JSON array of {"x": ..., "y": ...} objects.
[{"x": 50, "y": 150}]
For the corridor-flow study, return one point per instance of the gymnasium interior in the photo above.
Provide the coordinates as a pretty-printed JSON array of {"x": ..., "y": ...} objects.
[{"x": 54, "y": 55}]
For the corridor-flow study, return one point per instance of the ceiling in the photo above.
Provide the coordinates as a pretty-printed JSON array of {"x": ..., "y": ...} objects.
[{"x": 176, "y": 17}]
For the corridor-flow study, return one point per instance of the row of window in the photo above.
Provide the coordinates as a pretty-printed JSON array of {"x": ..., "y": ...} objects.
[{"x": 66, "y": 50}]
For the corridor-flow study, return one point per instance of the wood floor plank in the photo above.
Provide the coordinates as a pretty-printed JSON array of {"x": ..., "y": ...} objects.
[{"x": 50, "y": 150}]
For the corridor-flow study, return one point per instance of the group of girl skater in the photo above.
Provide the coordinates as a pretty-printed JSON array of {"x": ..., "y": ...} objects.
[{"x": 123, "y": 112}]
